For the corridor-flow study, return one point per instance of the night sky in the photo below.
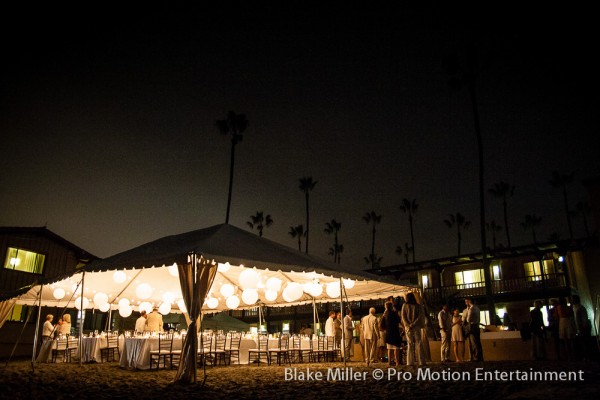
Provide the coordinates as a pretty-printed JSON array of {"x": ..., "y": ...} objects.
[{"x": 108, "y": 121}]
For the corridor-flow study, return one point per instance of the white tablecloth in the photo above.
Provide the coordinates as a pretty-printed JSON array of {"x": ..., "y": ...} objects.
[
  {"x": 136, "y": 351},
  {"x": 45, "y": 353},
  {"x": 90, "y": 348}
]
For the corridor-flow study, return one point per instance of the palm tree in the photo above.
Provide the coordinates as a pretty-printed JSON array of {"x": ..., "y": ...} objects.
[
  {"x": 461, "y": 224},
  {"x": 307, "y": 185},
  {"x": 492, "y": 227},
  {"x": 372, "y": 218},
  {"x": 297, "y": 231},
  {"x": 407, "y": 250},
  {"x": 562, "y": 181},
  {"x": 502, "y": 190},
  {"x": 260, "y": 221},
  {"x": 333, "y": 227},
  {"x": 374, "y": 260},
  {"x": 410, "y": 208},
  {"x": 234, "y": 124},
  {"x": 336, "y": 251},
  {"x": 530, "y": 223},
  {"x": 583, "y": 208}
]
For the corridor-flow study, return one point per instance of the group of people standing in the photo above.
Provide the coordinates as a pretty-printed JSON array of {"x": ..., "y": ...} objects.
[
  {"x": 457, "y": 328},
  {"x": 62, "y": 327},
  {"x": 152, "y": 322},
  {"x": 333, "y": 328}
]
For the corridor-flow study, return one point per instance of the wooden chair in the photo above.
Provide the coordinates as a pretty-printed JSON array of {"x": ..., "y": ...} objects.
[
  {"x": 204, "y": 348},
  {"x": 112, "y": 346},
  {"x": 72, "y": 348},
  {"x": 282, "y": 351},
  {"x": 296, "y": 349},
  {"x": 261, "y": 351},
  {"x": 320, "y": 353},
  {"x": 217, "y": 353},
  {"x": 164, "y": 352},
  {"x": 232, "y": 351},
  {"x": 59, "y": 349}
]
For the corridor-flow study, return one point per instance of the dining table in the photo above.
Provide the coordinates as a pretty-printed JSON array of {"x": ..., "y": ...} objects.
[
  {"x": 135, "y": 353},
  {"x": 90, "y": 348},
  {"x": 248, "y": 343}
]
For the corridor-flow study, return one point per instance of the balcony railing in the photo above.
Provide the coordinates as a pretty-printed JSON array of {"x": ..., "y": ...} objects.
[{"x": 504, "y": 286}]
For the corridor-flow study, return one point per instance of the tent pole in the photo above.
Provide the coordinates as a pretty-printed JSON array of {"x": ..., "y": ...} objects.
[
  {"x": 37, "y": 328},
  {"x": 314, "y": 317},
  {"x": 343, "y": 344},
  {"x": 81, "y": 319}
]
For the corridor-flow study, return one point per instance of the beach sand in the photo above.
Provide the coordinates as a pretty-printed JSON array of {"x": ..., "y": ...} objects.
[{"x": 18, "y": 380}]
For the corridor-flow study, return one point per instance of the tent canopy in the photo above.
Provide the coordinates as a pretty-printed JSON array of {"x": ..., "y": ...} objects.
[{"x": 252, "y": 270}]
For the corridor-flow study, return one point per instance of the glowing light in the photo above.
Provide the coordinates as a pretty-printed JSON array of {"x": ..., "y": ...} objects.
[
  {"x": 104, "y": 307},
  {"x": 145, "y": 306},
  {"x": 173, "y": 270},
  {"x": 164, "y": 308},
  {"x": 212, "y": 302},
  {"x": 271, "y": 295},
  {"x": 59, "y": 293},
  {"x": 78, "y": 300},
  {"x": 223, "y": 267},
  {"x": 125, "y": 311},
  {"x": 250, "y": 296},
  {"x": 248, "y": 279},
  {"x": 119, "y": 277},
  {"x": 349, "y": 283},
  {"x": 227, "y": 290},
  {"x": 100, "y": 299},
  {"x": 143, "y": 291},
  {"x": 233, "y": 302},
  {"x": 333, "y": 290},
  {"x": 124, "y": 303},
  {"x": 273, "y": 284}
]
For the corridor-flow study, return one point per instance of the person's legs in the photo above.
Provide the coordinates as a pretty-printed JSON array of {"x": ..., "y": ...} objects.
[{"x": 445, "y": 346}]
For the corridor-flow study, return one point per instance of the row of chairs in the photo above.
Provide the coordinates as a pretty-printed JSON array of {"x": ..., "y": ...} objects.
[
  {"x": 327, "y": 349},
  {"x": 66, "y": 349}
]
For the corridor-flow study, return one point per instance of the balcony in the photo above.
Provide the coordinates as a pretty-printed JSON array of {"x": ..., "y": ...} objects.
[{"x": 518, "y": 286}]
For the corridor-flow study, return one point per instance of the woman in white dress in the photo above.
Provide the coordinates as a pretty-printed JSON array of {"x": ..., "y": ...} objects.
[{"x": 458, "y": 339}]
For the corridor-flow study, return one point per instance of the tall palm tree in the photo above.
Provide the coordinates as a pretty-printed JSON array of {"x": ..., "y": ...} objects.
[
  {"x": 461, "y": 76},
  {"x": 336, "y": 251},
  {"x": 374, "y": 260},
  {"x": 531, "y": 222},
  {"x": 333, "y": 227},
  {"x": 406, "y": 252},
  {"x": 583, "y": 208},
  {"x": 460, "y": 223},
  {"x": 307, "y": 185},
  {"x": 260, "y": 221},
  {"x": 502, "y": 190},
  {"x": 410, "y": 208},
  {"x": 562, "y": 181},
  {"x": 492, "y": 227},
  {"x": 234, "y": 125},
  {"x": 297, "y": 231},
  {"x": 374, "y": 219}
]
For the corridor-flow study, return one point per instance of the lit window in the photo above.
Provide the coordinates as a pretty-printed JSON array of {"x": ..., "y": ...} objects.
[
  {"x": 496, "y": 272},
  {"x": 425, "y": 281},
  {"x": 534, "y": 272},
  {"x": 25, "y": 261},
  {"x": 466, "y": 277}
]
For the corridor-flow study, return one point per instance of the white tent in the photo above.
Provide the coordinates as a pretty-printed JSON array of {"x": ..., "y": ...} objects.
[{"x": 251, "y": 270}]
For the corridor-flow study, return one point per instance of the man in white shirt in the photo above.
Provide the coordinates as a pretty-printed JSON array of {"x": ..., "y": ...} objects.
[
  {"x": 329, "y": 328},
  {"x": 154, "y": 321},
  {"x": 445, "y": 325},
  {"x": 140, "y": 323},
  {"x": 370, "y": 332}
]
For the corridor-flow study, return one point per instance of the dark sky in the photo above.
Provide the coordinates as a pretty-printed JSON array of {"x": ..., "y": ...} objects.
[{"x": 108, "y": 121}]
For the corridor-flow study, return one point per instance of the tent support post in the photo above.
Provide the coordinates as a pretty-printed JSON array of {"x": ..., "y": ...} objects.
[
  {"x": 314, "y": 318},
  {"x": 37, "y": 328},
  {"x": 343, "y": 344},
  {"x": 81, "y": 319}
]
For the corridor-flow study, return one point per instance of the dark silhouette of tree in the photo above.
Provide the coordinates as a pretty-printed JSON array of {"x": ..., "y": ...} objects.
[
  {"x": 583, "y": 208},
  {"x": 503, "y": 190},
  {"x": 260, "y": 221},
  {"x": 234, "y": 125},
  {"x": 336, "y": 251},
  {"x": 332, "y": 228},
  {"x": 297, "y": 232},
  {"x": 374, "y": 219},
  {"x": 492, "y": 227},
  {"x": 410, "y": 207},
  {"x": 465, "y": 75},
  {"x": 460, "y": 223},
  {"x": 561, "y": 182},
  {"x": 531, "y": 222},
  {"x": 307, "y": 185},
  {"x": 406, "y": 252},
  {"x": 374, "y": 260}
]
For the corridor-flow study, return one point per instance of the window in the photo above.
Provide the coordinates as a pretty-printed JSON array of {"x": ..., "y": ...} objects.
[
  {"x": 466, "y": 277},
  {"x": 496, "y": 272},
  {"x": 25, "y": 261},
  {"x": 534, "y": 272},
  {"x": 425, "y": 281},
  {"x": 18, "y": 313}
]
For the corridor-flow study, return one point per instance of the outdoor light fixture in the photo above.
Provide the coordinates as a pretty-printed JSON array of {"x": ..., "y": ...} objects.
[{"x": 59, "y": 293}]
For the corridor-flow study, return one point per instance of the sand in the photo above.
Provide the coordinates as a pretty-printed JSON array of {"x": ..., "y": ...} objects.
[{"x": 307, "y": 381}]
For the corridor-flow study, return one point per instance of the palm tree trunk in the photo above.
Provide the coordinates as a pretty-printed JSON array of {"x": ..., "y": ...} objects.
[
  {"x": 412, "y": 237},
  {"x": 299, "y": 243},
  {"x": 373, "y": 241},
  {"x": 506, "y": 222},
  {"x": 232, "y": 161},
  {"x": 307, "y": 222}
]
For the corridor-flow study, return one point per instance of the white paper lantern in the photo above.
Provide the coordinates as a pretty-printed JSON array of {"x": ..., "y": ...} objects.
[
  {"x": 125, "y": 311},
  {"x": 271, "y": 295},
  {"x": 143, "y": 291},
  {"x": 164, "y": 308},
  {"x": 58, "y": 293},
  {"x": 124, "y": 302},
  {"x": 292, "y": 292},
  {"x": 314, "y": 289},
  {"x": 273, "y": 284},
  {"x": 223, "y": 267},
  {"x": 250, "y": 296},
  {"x": 227, "y": 290},
  {"x": 104, "y": 307},
  {"x": 145, "y": 306},
  {"x": 333, "y": 289},
  {"x": 168, "y": 297},
  {"x": 100, "y": 299},
  {"x": 119, "y": 277},
  {"x": 349, "y": 283},
  {"x": 181, "y": 305},
  {"x": 233, "y": 302},
  {"x": 173, "y": 270},
  {"x": 248, "y": 279},
  {"x": 212, "y": 302},
  {"x": 78, "y": 300}
]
